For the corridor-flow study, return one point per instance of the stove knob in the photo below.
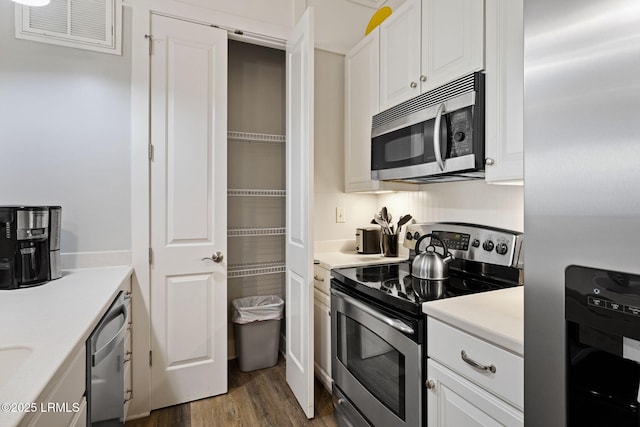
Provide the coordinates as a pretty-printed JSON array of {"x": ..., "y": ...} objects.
[
  {"x": 416, "y": 235},
  {"x": 502, "y": 248},
  {"x": 475, "y": 243},
  {"x": 488, "y": 245},
  {"x": 409, "y": 235}
]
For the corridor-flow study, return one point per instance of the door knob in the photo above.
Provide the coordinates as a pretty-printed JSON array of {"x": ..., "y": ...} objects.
[{"x": 216, "y": 257}]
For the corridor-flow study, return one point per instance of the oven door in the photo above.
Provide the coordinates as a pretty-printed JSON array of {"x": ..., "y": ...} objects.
[{"x": 376, "y": 362}]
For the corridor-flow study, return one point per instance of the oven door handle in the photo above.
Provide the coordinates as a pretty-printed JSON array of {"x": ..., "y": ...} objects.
[
  {"x": 437, "y": 136},
  {"x": 394, "y": 323}
]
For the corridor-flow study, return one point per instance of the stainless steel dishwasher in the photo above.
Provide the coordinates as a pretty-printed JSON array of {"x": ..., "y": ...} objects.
[{"x": 105, "y": 366}]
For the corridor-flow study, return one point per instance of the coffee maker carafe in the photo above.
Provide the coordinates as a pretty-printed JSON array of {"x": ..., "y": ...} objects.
[{"x": 24, "y": 246}]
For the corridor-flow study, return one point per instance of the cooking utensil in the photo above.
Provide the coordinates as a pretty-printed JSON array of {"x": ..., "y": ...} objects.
[
  {"x": 379, "y": 218},
  {"x": 430, "y": 264},
  {"x": 402, "y": 221}
]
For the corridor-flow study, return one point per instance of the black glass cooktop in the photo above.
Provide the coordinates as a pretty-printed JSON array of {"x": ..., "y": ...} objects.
[{"x": 393, "y": 284}]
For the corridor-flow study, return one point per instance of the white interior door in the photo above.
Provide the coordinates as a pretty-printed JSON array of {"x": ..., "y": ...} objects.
[
  {"x": 188, "y": 211},
  {"x": 299, "y": 246}
]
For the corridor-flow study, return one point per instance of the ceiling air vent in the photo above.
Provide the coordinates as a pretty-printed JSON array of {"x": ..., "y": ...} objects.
[{"x": 83, "y": 24}]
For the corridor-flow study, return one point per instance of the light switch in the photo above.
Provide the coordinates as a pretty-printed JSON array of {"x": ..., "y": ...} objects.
[{"x": 340, "y": 215}]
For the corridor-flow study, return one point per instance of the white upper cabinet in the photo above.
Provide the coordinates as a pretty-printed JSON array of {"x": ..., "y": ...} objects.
[
  {"x": 452, "y": 40},
  {"x": 400, "y": 55},
  {"x": 427, "y": 43},
  {"x": 504, "y": 91},
  {"x": 361, "y": 103}
]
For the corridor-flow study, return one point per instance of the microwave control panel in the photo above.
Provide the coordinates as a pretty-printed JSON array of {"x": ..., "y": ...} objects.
[{"x": 461, "y": 132}]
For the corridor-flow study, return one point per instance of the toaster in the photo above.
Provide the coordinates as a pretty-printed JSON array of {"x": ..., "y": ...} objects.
[{"x": 368, "y": 240}]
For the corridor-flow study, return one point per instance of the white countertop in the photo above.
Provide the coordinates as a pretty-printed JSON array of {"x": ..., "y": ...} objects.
[
  {"x": 494, "y": 316},
  {"x": 345, "y": 258},
  {"x": 52, "y": 320}
]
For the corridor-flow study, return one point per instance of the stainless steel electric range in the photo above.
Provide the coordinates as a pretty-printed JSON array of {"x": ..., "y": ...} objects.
[{"x": 378, "y": 331}]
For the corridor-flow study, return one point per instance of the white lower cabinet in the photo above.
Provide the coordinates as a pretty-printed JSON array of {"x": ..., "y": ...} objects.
[
  {"x": 453, "y": 401},
  {"x": 62, "y": 400},
  {"x": 322, "y": 325},
  {"x": 471, "y": 382},
  {"x": 322, "y": 337}
]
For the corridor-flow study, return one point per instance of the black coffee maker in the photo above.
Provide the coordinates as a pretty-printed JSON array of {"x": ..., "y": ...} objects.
[{"x": 24, "y": 246}]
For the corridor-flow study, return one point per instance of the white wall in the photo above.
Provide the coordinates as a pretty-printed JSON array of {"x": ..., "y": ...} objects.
[
  {"x": 65, "y": 135},
  {"x": 340, "y": 24},
  {"x": 329, "y": 156},
  {"x": 467, "y": 201},
  {"x": 276, "y": 12}
]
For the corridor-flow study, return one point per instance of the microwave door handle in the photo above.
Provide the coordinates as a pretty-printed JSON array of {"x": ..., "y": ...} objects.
[{"x": 437, "y": 135}]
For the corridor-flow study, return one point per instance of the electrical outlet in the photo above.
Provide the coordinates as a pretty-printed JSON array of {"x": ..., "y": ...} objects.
[{"x": 341, "y": 216}]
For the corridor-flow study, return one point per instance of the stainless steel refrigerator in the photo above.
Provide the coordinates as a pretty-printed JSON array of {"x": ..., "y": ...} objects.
[{"x": 582, "y": 171}]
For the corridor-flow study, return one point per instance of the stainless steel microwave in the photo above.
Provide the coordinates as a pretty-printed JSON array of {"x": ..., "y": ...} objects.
[{"x": 437, "y": 136}]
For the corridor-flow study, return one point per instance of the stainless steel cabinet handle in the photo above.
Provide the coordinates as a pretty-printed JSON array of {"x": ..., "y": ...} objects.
[
  {"x": 436, "y": 137},
  {"x": 318, "y": 278},
  {"x": 423, "y": 78},
  {"x": 491, "y": 368},
  {"x": 394, "y": 323},
  {"x": 413, "y": 85},
  {"x": 216, "y": 257},
  {"x": 489, "y": 161},
  {"x": 430, "y": 384}
]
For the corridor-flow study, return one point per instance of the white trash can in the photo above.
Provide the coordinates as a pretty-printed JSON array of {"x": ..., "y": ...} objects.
[{"x": 256, "y": 323}]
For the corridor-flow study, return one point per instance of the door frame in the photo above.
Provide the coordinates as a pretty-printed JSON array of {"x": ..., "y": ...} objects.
[{"x": 264, "y": 34}]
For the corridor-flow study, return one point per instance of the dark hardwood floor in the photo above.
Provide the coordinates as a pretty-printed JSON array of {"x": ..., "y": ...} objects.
[{"x": 258, "y": 398}]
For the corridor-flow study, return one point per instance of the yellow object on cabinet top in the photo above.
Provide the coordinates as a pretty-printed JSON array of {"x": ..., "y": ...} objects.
[{"x": 377, "y": 18}]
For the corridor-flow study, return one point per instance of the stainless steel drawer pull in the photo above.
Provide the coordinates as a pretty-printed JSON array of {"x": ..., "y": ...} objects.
[
  {"x": 490, "y": 368},
  {"x": 318, "y": 278}
]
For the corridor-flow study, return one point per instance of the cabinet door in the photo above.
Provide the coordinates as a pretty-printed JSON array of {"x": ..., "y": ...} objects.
[
  {"x": 452, "y": 40},
  {"x": 361, "y": 103},
  {"x": 400, "y": 55},
  {"x": 452, "y": 401},
  {"x": 504, "y": 90},
  {"x": 322, "y": 337}
]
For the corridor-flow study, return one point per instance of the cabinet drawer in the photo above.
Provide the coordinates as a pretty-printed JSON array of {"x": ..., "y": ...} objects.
[
  {"x": 321, "y": 279},
  {"x": 61, "y": 401},
  {"x": 446, "y": 344}
]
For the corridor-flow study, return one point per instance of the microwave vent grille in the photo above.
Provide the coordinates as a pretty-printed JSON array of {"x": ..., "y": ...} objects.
[{"x": 436, "y": 96}]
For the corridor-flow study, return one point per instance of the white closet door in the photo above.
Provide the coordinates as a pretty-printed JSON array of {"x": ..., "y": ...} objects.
[
  {"x": 188, "y": 211},
  {"x": 299, "y": 246}
]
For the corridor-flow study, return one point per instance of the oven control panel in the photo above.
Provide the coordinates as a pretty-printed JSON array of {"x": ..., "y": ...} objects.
[{"x": 471, "y": 242}]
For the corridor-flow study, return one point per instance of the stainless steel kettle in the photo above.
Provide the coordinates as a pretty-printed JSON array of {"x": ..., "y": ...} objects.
[{"x": 430, "y": 264}]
